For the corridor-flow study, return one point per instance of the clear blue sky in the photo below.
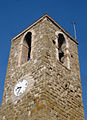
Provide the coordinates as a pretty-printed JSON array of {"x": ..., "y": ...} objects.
[{"x": 16, "y": 15}]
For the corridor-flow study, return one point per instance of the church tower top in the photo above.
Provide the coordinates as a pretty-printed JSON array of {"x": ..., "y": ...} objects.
[
  {"x": 40, "y": 19},
  {"x": 43, "y": 77}
]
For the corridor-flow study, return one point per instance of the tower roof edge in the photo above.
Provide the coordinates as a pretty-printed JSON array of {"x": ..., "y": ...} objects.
[{"x": 37, "y": 21}]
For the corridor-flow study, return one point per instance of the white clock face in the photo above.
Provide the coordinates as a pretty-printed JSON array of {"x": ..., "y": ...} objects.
[{"x": 20, "y": 87}]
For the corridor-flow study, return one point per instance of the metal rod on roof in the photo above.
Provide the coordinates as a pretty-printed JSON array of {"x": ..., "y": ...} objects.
[{"x": 74, "y": 29}]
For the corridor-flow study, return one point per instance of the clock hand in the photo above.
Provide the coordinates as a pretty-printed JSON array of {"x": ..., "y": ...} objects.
[{"x": 18, "y": 89}]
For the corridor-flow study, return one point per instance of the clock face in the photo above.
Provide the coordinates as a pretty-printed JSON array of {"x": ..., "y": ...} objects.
[{"x": 20, "y": 87}]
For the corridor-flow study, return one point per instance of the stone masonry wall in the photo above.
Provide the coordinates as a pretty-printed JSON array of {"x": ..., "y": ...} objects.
[{"x": 54, "y": 91}]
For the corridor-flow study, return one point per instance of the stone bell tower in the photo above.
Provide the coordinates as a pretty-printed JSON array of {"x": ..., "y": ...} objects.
[{"x": 43, "y": 77}]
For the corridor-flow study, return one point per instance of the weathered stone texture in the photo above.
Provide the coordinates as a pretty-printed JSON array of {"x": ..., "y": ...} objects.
[{"x": 55, "y": 91}]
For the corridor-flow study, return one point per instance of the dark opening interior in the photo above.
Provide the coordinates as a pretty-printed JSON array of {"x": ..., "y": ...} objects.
[
  {"x": 28, "y": 40},
  {"x": 53, "y": 42},
  {"x": 61, "y": 41}
]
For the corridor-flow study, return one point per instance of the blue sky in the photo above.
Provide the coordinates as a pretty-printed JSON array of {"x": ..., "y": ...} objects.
[{"x": 16, "y": 15}]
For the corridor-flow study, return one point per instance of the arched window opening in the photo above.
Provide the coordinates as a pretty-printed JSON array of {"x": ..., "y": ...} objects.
[
  {"x": 26, "y": 49},
  {"x": 28, "y": 41},
  {"x": 61, "y": 46}
]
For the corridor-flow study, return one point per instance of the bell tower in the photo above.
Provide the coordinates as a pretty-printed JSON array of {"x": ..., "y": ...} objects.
[{"x": 43, "y": 77}]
